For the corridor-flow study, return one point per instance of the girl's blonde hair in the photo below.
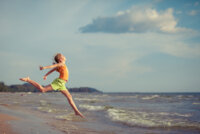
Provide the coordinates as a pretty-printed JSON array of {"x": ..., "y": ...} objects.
[{"x": 57, "y": 57}]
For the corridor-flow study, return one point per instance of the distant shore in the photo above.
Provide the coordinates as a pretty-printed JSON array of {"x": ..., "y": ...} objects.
[{"x": 29, "y": 88}]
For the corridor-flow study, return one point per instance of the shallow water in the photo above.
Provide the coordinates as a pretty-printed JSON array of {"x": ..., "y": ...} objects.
[
  {"x": 147, "y": 113},
  {"x": 141, "y": 113}
]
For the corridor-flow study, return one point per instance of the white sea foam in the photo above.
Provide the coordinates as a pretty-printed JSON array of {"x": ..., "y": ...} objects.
[
  {"x": 48, "y": 109},
  {"x": 150, "y": 97},
  {"x": 65, "y": 117},
  {"x": 43, "y": 102},
  {"x": 87, "y": 99},
  {"x": 130, "y": 118},
  {"x": 185, "y": 97},
  {"x": 148, "y": 119},
  {"x": 196, "y": 103},
  {"x": 91, "y": 108},
  {"x": 175, "y": 114},
  {"x": 71, "y": 116},
  {"x": 45, "y": 109}
]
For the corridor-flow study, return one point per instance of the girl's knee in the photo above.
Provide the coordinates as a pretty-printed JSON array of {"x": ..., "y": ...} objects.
[
  {"x": 46, "y": 88},
  {"x": 43, "y": 90},
  {"x": 67, "y": 94}
]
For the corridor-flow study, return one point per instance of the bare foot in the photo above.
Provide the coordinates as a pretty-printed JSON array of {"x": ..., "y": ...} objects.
[
  {"x": 79, "y": 114},
  {"x": 25, "y": 79}
]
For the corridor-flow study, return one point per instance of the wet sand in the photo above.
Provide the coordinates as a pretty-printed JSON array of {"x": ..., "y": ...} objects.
[
  {"x": 5, "y": 127},
  {"x": 17, "y": 117},
  {"x": 16, "y": 120}
]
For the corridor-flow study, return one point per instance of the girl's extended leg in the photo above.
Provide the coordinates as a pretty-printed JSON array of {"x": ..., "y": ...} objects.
[
  {"x": 37, "y": 85},
  {"x": 71, "y": 102}
]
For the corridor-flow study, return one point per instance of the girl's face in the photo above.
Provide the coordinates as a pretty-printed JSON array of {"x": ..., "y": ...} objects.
[{"x": 62, "y": 58}]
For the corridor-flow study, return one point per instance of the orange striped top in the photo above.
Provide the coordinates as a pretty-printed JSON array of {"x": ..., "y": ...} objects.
[{"x": 64, "y": 75}]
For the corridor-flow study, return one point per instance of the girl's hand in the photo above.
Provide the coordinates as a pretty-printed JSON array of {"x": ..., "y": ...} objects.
[
  {"x": 45, "y": 77},
  {"x": 41, "y": 68}
]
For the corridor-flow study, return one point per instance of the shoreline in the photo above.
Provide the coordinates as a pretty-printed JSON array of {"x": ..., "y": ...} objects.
[
  {"x": 42, "y": 113},
  {"x": 16, "y": 118},
  {"x": 19, "y": 120},
  {"x": 13, "y": 122}
]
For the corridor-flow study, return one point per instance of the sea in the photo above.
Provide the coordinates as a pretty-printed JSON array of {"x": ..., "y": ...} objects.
[{"x": 118, "y": 113}]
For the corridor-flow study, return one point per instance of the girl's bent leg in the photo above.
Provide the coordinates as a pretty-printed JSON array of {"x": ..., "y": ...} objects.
[
  {"x": 48, "y": 88},
  {"x": 37, "y": 85},
  {"x": 71, "y": 102}
]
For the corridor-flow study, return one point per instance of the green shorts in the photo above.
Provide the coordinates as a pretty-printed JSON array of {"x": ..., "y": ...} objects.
[{"x": 58, "y": 84}]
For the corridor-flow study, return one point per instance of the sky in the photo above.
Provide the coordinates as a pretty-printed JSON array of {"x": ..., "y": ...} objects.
[{"x": 110, "y": 45}]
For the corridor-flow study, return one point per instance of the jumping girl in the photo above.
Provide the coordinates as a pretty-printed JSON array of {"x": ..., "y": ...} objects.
[{"x": 58, "y": 83}]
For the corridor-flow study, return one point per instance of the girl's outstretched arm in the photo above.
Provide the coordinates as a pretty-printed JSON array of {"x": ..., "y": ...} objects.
[
  {"x": 51, "y": 66},
  {"x": 52, "y": 70}
]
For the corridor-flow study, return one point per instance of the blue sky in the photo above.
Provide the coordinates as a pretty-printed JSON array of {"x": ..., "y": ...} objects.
[{"x": 111, "y": 45}]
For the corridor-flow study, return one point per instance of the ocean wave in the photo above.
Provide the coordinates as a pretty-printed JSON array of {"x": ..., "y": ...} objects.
[
  {"x": 129, "y": 118},
  {"x": 68, "y": 117},
  {"x": 175, "y": 114},
  {"x": 196, "y": 103},
  {"x": 186, "y": 97},
  {"x": 95, "y": 108},
  {"x": 92, "y": 100},
  {"x": 46, "y": 109},
  {"x": 91, "y": 108},
  {"x": 43, "y": 102},
  {"x": 169, "y": 97},
  {"x": 131, "y": 96},
  {"x": 150, "y": 97},
  {"x": 148, "y": 119}
]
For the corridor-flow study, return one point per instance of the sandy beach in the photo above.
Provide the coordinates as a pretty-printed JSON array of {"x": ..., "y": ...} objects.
[
  {"x": 50, "y": 113},
  {"x": 24, "y": 113},
  {"x": 5, "y": 128},
  {"x": 15, "y": 120}
]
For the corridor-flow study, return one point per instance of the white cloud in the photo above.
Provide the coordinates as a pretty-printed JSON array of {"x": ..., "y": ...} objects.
[
  {"x": 117, "y": 56},
  {"x": 138, "y": 19}
]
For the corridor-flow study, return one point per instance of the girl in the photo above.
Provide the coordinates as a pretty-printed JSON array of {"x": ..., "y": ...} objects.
[{"x": 58, "y": 83}]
